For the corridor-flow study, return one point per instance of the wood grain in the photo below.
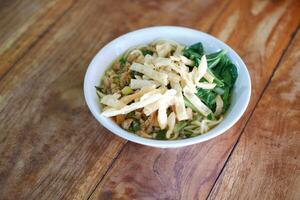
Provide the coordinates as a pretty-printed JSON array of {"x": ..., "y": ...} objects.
[
  {"x": 266, "y": 162},
  {"x": 260, "y": 33},
  {"x": 50, "y": 145},
  {"x": 23, "y": 23}
]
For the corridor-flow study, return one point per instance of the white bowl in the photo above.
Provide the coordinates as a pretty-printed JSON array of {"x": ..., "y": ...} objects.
[{"x": 104, "y": 58}]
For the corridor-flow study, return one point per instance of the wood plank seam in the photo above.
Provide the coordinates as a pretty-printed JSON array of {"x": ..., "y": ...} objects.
[
  {"x": 259, "y": 98},
  {"x": 108, "y": 169},
  {"x": 268, "y": 152},
  {"x": 71, "y": 154},
  {"x": 37, "y": 40}
]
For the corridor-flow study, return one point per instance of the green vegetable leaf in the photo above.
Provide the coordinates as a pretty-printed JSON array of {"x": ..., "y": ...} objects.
[
  {"x": 208, "y": 97},
  {"x": 226, "y": 99},
  {"x": 135, "y": 126},
  {"x": 229, "y": 74},
  {"x": 99, "y": 92},
  {"x": 122, "y": 61},
  {"x": 217, "y": 80},
  {"x": 197, "y": 62},
  {"x": 223, "y": 71},
  {"x": 146, "y": 51},
  {"x": 226, "y": 71},
  {"x": 198, "y": 48},
  {"x": 161, "y": 135},
  {"x": 214, "y": 58},
  {"x": 211, "y": 116},
  {"x": 194, "y": 52}
]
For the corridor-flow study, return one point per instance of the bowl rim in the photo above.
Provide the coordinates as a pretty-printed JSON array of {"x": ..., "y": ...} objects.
[{"x": 164, "y": 143}]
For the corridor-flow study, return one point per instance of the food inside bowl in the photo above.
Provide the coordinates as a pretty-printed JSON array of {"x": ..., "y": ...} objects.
[{"x": 168, "y": 91}]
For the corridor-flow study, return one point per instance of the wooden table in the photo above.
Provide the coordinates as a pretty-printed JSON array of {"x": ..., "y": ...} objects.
[{"x": 52, "y": 148}]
